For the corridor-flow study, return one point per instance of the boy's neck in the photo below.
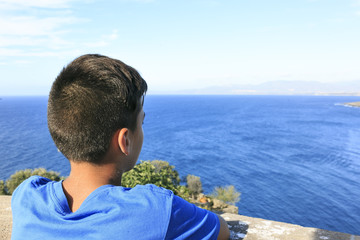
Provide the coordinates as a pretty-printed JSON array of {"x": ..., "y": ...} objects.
[{"x": 84, "y": 178}]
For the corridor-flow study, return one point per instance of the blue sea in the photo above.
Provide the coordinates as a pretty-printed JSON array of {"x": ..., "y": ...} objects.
[{"x": 294, "y": 159}]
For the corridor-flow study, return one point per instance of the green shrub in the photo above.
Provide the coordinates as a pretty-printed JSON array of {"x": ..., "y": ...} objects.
[
  {"x": 227, "y": 194},
  {"x": 157, "y": 172},
  {"x": 194, "y": 184},
  {"x": 164, "y": 165},
  {"x": 17, "y": 178},
  {"x": 2, "y": 188}
]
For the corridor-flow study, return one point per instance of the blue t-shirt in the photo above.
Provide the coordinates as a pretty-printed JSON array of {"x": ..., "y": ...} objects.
[{"x": 41, "y": 211}]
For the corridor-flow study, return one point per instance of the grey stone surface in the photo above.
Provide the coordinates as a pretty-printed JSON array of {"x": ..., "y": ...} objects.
[{"x": 248, "y": 228}]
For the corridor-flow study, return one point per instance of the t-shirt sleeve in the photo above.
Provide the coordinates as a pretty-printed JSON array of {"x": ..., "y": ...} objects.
[{"x": 190, "y": 222}]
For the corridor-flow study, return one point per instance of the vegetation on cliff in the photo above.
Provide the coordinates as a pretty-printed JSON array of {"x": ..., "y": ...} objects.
[
  {"x": 227, "y": 194},
  {"x": 157, "y": 172},
  {"x": 8, "y": 187}
]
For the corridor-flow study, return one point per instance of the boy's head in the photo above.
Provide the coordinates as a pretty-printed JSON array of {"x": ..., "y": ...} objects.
[{"x": 89, "y": 101}]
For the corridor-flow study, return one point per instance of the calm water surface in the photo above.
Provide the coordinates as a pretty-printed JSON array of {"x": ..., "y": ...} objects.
[{"x": 294, "y": 158}]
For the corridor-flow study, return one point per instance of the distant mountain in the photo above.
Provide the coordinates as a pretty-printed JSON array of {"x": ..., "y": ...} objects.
[{"x": 280, "y": 88}]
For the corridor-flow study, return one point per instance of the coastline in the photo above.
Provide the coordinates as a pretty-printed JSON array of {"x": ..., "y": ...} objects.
[{"x": 352, "y": 104}]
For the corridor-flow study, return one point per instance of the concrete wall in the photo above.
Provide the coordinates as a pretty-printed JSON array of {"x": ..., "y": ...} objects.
[{"x": 241, "y": 227}]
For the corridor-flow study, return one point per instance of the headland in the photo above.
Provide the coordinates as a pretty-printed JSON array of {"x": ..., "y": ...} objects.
[{"x": 353, "y": 104}]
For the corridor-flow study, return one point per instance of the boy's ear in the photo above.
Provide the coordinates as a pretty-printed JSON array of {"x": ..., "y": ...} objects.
[{"x": 123, "y": 140}]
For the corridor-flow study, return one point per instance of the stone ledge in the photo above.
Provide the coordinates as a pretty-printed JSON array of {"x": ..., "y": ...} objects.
[
  {"x": 248, "y": 228},
  {"x": 241, "y": 227},
  {"x": 5, "y": 217}
]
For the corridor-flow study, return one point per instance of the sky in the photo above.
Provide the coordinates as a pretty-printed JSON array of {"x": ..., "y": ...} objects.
[{"x": 181, "y": 44}]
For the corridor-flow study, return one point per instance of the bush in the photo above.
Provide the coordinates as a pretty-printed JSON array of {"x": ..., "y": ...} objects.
[
  {"x": 17, "y": 178},
  {"x": 2, "y": 188},
  {"x": 157, "y": 172},
  {"x": 227, "y": 194},
  {"x": 194, "y": 184}
]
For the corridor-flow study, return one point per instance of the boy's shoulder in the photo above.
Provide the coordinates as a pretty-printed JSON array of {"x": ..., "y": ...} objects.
[
  {"x": 148, "y": 193},
  {"x": 32, "y": 183},
  {"x": 39, "y": 181},
  {"x": 152, "y": 188},
  {"x": 42, "y": 187}
]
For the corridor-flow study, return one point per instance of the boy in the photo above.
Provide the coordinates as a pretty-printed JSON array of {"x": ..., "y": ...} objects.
[{"x": 95, "y": 118}]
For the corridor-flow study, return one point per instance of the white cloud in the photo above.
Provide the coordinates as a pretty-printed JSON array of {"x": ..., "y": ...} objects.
[
  {"x": 44, "y": 28},
  {"x": 51, "y": 44},
  {"x": 100, "y": 43},
  {"x": 27, "y": 31},
  {"x": 355, "y": 4},
  {"x": 6, "y": 52},
  {"x": 22, "y": 62},
  {"x": 16, "y": 4},
  {"x": 141, "y": 1},
  {"x": 33, "y": 33},
  {"x": 32, "y": 26},
  {"x": 104, "y": 40},
  {"x": 113, "y": 35}
]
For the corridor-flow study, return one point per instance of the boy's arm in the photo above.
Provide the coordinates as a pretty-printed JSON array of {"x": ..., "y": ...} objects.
[
  {"x": 188, "y": 221},
  {"x": 224, "y": 233}
]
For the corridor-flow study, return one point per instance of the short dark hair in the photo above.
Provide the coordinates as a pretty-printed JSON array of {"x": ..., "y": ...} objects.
[{"x": 89, "y": 101}]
